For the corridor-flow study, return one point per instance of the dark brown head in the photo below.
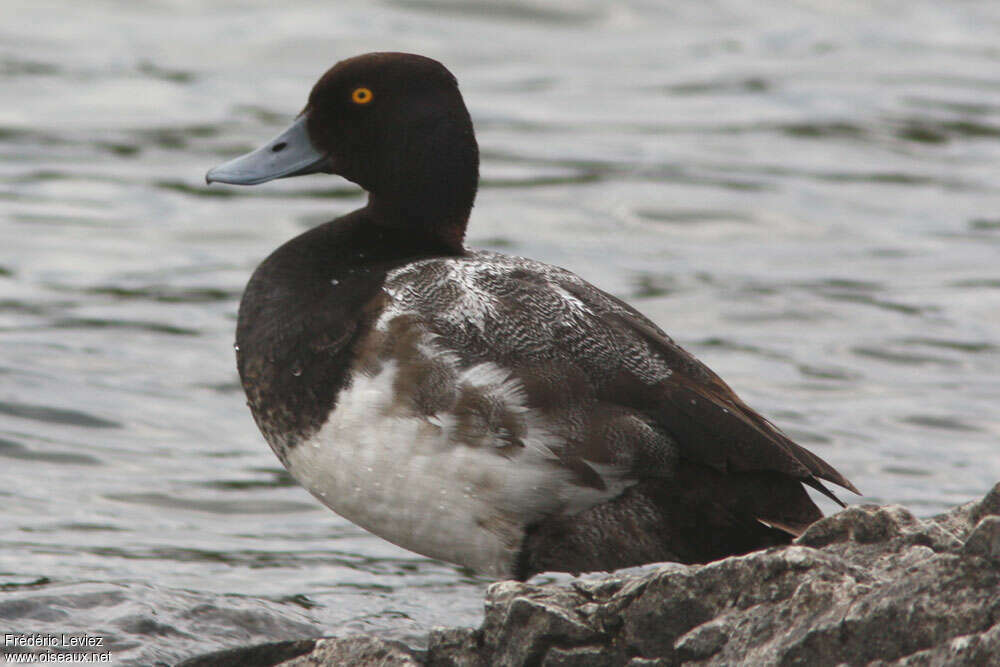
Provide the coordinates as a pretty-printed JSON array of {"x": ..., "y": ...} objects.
[{"x": 395, "y": 124}]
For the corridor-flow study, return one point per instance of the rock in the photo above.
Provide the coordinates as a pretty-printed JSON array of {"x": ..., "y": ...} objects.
[
  {"x": 982, "y": 648},
  {"x": 868, "y": 585},
  {"x": 356, "y": 650},
  {"x": 985, "y": 539},
  {"x": 261, "y": 655}
]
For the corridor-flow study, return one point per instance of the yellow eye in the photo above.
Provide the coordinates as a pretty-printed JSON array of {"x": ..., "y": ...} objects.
[{"x": 361, "y": 96}]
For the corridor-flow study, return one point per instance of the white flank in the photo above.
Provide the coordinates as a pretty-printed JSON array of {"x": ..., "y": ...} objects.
[{"x": 400, "y": 476}]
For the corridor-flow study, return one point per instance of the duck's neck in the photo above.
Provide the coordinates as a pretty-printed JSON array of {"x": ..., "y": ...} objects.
[
  {"x": 434, "y": 189},
  {"x": 444, "y": 224}
]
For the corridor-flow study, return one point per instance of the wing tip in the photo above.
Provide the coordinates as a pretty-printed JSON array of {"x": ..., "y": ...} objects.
[{"x": 813, "y": 481}]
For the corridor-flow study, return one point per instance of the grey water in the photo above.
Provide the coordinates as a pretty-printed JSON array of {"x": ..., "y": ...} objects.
[{"x": 804, "y": 194}]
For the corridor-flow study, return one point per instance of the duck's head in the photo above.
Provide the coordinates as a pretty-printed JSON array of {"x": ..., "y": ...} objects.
[{"x": 395, "y": 124}]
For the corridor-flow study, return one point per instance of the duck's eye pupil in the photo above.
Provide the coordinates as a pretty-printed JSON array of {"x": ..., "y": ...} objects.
[{"x": 361, "y": 96}]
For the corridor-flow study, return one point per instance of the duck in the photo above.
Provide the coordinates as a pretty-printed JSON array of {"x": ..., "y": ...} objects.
[{"x": 488, "y": 410}]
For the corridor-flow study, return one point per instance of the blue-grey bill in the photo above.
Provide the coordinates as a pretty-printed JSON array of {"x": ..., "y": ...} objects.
[{"x": 291, "y": 153}]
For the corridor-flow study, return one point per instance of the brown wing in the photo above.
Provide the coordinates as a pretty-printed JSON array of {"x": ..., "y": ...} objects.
[
  {"x": 616, "y": 391},
  {"x": 714, "y": 426}
]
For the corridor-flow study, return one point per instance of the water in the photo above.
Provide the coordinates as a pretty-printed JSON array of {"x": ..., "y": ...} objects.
[{"x": 804, "y": 196}]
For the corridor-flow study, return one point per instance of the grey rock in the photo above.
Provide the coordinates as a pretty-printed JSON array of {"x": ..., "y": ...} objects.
[
  {"x": 258, "y": 655},
  {"x": 982, "y": 648},
  {"x": 356, "y": 650},
  {"x": 868, "y": 585},
  {"x": 985, "y": 539},
  {"x": 584, "y": 656}
]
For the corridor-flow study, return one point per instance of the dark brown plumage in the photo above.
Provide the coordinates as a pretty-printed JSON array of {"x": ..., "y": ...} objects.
[{"x": 603, "y": 443}]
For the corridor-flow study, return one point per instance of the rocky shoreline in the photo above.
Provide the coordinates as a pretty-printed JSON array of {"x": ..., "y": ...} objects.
[{"x": 868, "y": 585}]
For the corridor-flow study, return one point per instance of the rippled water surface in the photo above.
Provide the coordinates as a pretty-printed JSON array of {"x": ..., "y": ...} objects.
[{"x": 806, "y": 197}]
